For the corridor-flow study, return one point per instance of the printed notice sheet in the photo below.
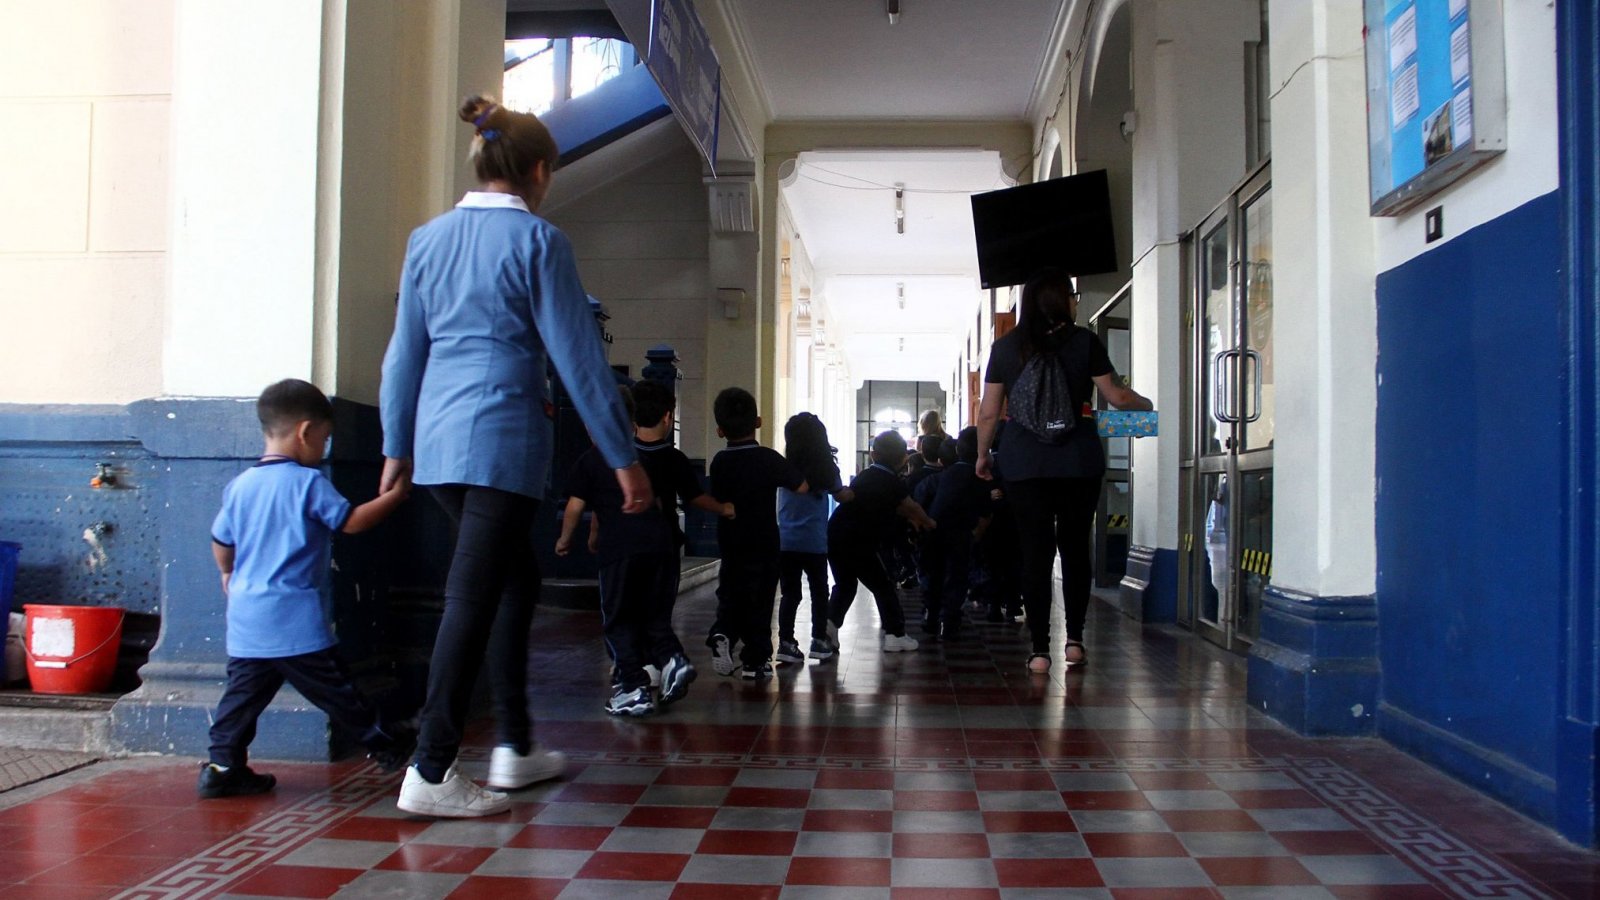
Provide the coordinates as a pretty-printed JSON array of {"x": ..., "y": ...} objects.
[
  {"x": 1406, "y": 100},
  {"x": 1460, "y": 54},
  {"x": 1403, "y": 38}
]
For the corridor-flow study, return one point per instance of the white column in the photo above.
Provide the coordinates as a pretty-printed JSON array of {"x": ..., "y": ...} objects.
[
  {"x": 1324, "y": 317},
  {"x": 243, "y": 220},
  {"x": 1188, "y": 151}
]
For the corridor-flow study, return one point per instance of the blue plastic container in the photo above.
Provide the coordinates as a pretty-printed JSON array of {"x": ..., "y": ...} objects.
[{"x": 8, "y": 583}]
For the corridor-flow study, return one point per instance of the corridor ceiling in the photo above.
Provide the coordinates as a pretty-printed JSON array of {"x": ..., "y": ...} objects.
[
  {"x": 842, "y": 203},
  {"x": 943, "y": 59}
]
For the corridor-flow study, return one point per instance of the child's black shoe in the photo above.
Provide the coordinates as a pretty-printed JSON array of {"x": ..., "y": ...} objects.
[{"x": 235, "y": 781}]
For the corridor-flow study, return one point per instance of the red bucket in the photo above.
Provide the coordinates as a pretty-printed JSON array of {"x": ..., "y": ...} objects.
[{"x": 71, "y": 649}]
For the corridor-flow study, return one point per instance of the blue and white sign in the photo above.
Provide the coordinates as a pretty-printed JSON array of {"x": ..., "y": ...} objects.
[
  {"x": 1421, "y": 97},
  {"x": 681, "y": 59}
]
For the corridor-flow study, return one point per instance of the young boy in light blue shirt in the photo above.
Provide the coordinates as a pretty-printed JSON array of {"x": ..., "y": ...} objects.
[{"x": 272, "y": 543}]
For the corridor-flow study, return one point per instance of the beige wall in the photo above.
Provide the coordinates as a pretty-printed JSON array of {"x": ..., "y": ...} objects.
[
  {"x": 85, "y": 92},
  {"x": 395, "y": 157},
  {"x": 642, "y": 245}
]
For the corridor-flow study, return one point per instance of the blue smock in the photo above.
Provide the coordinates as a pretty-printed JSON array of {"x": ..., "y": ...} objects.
[{"x": 488, "y": 291}]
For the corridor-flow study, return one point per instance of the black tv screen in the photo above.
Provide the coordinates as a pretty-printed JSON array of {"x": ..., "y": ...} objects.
[{"x": 1063, "y": 223}]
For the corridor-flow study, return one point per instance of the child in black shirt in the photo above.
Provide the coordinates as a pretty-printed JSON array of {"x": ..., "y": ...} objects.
[
  {"x": 672, "y": 479},
  {"x": 855, "y": 531},
  {"x": 639, "y": 570},
  {"x": 747, "y": 475},
  {"x": 959, "y": 501}
]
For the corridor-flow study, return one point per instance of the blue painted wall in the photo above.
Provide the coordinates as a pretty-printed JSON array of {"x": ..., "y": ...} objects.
[{"x": 1469, "y": 461}]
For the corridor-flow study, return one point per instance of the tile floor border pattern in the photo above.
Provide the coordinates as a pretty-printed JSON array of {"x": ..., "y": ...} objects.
[
  {"x": 232, "y": 858},
  {"x": 1451, "y": 864}
]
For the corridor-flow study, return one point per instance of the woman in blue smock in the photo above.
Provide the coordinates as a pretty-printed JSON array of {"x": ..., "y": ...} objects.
[{"x": 488, "y": 294}]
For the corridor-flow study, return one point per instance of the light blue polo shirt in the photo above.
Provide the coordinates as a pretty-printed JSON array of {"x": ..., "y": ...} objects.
[{"x": 279, "y": 517}]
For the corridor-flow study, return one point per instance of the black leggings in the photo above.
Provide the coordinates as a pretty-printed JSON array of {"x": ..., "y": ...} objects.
[
  {"x": 791, "y": 566},
  {"x": 489, "y": 598},
  {"x": 1054, "y": 515}
]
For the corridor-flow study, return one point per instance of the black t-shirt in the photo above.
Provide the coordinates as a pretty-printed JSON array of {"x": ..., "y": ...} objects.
[
  {"x": 871, "y": 515},
  {"x": 1024, "y": 455},
  {"x": 960, "y": 498},
  {"x": 748, "y": 475},
  {"x": 672, "y": 479},
  {"x": 621, "y": 534}
]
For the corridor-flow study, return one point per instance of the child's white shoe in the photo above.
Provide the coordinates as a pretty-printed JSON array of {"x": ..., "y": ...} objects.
[
  {"x": 510, "y": 772},
  {"x": 455, "y": 797},
  {"x": 898, "y": 643}
]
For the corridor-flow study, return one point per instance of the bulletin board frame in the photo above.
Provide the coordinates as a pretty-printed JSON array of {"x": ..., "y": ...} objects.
[{"x": 1436, "y": 97}]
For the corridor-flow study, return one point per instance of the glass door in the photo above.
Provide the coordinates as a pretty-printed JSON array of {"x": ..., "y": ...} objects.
[{"x": 1225, "y": 550}]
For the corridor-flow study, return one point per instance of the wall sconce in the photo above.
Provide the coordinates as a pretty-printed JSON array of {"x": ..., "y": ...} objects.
[
  {"x": 900, "y": 209},
  {"x": 900, "y": 293},
  {"x": 892, "y": 7},
  {"x": 731, "y": 299},
  {"x": 1128, "y": 124}
]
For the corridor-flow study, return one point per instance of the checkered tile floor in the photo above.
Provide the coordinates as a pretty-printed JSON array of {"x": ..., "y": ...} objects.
[{"x": 949, "y": 772}]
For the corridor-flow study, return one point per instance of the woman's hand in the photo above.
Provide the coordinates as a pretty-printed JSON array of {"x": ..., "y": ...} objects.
[
  {"x": 984, "y": 468},
  {"x": 636, "y": 493},
  {"x": 395, "y": 473}
]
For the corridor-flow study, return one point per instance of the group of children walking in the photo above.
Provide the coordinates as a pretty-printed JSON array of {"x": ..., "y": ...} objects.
[{"x": 782, "y": 519}]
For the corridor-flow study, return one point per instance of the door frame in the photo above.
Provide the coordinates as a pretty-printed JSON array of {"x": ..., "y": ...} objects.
[{"x": 1231, "y": 463}]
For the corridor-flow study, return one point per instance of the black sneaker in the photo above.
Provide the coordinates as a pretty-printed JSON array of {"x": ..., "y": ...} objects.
[
  {"x": 393, "y": 756},
  {"x": 675, "y": 678},
  {"x": 790, "y": 652},
  {"x": 236, "y": 781},
  {"x": 636, "y": 702},
  {"x": 751, "y": 673}
]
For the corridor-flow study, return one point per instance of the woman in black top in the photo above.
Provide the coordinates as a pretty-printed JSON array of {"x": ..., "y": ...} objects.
[{"x": 1054, "y": 488}]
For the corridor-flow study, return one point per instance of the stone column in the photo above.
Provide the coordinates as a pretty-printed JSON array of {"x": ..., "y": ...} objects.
[{"x": 1315, "y": 665}]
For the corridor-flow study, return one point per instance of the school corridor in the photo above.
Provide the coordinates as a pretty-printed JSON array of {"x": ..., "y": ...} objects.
[{"x": 949, "y": 772}]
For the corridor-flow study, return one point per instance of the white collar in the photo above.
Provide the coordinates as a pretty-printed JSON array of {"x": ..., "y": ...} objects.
[{"x": 492, "y": 200}]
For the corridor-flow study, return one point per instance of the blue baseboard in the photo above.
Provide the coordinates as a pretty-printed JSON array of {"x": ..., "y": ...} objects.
[
  {"x": 1315, "y": 665},
  {"x": 1493, "y": 773},
  {"x": 1149, "y": 592}
]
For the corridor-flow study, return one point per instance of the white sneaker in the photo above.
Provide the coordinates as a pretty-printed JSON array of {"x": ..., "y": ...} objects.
[
  {"x": 896, "y": 643},
  {"x": 510, "y": 772},
  {"x": 455, "y": 797},
  {"x": 721, "y": 654}
]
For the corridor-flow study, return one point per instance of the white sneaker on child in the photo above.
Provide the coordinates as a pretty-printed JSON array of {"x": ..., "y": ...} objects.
[
  {"x": 455, "y": 797},
  {"x": 721, "y": 654},
  {"x": 510, "y": 772},
  {"x": 896, "y": 643}
]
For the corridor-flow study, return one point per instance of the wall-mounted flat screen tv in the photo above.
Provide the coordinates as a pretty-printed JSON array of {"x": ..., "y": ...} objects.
[{"x": 1063, "y": 223}]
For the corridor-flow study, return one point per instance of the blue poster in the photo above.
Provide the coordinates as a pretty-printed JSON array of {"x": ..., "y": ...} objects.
[
  {"x": 684, "y": 65},
  {"x": 1419, "y": 78}
]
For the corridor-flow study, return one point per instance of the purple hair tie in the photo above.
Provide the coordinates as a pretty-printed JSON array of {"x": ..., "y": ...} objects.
[
  {"x": 482, "y": 118},
  {"x": 489, "y": 134}
]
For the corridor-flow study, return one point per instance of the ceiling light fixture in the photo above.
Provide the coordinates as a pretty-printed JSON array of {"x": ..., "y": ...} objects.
[
  {"x": 892, "y": 7},
  {"x": 899, "y": 208}
]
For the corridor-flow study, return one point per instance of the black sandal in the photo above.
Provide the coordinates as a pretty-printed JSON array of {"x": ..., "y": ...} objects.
[{"x": 1083, "y": 654}]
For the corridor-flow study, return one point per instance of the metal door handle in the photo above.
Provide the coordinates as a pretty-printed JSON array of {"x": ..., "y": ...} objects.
[
  {"x": 1219, "y": 393},
  {"x": 1255, "y": 357}
]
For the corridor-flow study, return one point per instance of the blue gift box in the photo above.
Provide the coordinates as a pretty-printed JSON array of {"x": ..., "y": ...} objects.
[{"x": 1123, "y": 423}]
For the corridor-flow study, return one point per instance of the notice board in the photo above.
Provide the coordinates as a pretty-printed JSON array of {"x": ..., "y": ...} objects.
[{"x": 1435, "y": 95}]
